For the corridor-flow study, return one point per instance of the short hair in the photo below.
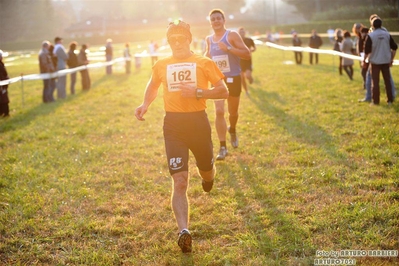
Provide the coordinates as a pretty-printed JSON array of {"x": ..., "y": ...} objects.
[
  {"x": 347, "y": 34},
  {"x": 73, "y": 45},
  {"x": 45, "y": 44},
  {"x": 216, "y": 10},
  {"x": 364, "y": 30},
  {"x": 377, "y": 23},
  {"x": 179, "y": 27},
  {"x": 337, "y": 33}
]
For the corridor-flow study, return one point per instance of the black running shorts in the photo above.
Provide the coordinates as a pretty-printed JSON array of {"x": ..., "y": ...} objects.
[
  {"x": 245, "y": 65},
  {"x": 184, "y": 132},
  {"x": 234, "y": 85}
]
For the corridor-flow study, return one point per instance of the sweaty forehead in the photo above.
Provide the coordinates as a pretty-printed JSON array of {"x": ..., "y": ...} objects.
[
  {"x": 176, "y": 35},
  {"x": 216, "y": 14}
]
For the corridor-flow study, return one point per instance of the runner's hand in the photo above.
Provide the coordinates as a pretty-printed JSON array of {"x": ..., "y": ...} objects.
[{"x": 188, "y": 91}]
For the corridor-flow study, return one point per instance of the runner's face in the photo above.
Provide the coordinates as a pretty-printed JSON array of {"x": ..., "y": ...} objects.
[
  {"x": 217, "y": 21},
  {"x": 179, "y": 44}
]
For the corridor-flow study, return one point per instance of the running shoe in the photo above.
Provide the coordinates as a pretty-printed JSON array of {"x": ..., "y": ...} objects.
[
  {"x": 184, "y": 241},
  {"x": 233, "y": 139},
  {"x": 222, "y": 154},
  {"x": 207, "y": 185}
]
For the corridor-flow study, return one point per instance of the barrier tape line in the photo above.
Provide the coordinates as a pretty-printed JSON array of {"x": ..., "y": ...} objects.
[
  {"x": 65, "y": 72},
  {"x": 60, "y": 73},
  {"x": 318, "y": 51}
]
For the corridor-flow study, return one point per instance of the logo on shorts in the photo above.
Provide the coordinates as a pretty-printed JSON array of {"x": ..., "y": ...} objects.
[{"x": 175, "y": 163}]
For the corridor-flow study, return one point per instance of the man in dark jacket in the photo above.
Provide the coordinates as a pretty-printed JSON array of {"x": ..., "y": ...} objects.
[
  {"x": 314, "y": 42},
  {"x": 4, "y": 109}
]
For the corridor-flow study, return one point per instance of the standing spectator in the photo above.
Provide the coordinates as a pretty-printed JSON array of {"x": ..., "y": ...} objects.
[
  {"x": 4, "y": 100},
  {"x": 128, "y": 59},
  {"x": 368, "y": 73},
  {"x": 186, "y": 125},
  {"x": 380, "y": 50},
  {"x": 337, "y": 47},
  {"x": 330, "y": 33},
  {"x": 53, "y": 81},
  {"x": 109, "y": 55},
  {"x": 314, "y": 42},
  {"x": 296, "y": 42},
  {"x": 46, "y": 65},
  {"x": 246, "y": 65},
  {"x": 347, "y": 48},
  {"x": 62, "y": 57},
  {"x": 360, "y": 51},
  {"x": 72, "y": 63},
  {"x": 358, "y": 36},
  {"x": 83, "y": 61},
  {"x": 153, "y": 50},
  {"x": 226, "y": 48}
]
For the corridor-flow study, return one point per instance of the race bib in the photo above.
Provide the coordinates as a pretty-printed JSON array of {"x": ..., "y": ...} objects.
[
  {"x": 222, "y": 61},
  {"x": 181, "y": 73}
]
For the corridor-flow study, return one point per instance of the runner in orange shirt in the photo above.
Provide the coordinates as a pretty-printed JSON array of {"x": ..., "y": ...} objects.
[{"x": 185, "y": 79}]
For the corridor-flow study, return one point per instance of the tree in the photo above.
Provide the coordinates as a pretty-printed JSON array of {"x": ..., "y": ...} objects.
[{"x": 309, "y": 7}]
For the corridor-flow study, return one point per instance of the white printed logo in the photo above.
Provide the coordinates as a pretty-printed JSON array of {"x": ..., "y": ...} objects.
[{"x": 175, "y": 163}]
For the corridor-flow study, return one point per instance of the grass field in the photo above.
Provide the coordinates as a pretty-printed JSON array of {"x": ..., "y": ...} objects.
[{"x": 82, "y": 182}]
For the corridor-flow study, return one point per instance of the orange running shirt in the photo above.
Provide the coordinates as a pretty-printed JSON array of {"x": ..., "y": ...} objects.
[{"x": 196, "y": 70}]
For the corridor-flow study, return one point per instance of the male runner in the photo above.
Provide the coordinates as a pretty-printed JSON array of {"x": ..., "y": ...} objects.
[
  {"x": 226, "y": 47},
  {"x": 185, "y": 77},
  {"x": 246, "y": 65}
]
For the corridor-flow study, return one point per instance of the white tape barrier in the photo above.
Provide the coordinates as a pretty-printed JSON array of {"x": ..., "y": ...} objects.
[
  {"x": 121, "y": 59},
  {"x": 60, "y": 73},
  {"x": 318, "y": 51}
]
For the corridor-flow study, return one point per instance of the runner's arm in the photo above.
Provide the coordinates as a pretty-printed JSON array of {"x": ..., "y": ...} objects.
[
  {"x": 238, "y": 46},
  {"x": 150, "y": 94},
  {"x": 219, "y": 91}
]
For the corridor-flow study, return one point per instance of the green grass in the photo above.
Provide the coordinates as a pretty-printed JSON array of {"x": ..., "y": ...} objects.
[{"x": 82, "y": 182}]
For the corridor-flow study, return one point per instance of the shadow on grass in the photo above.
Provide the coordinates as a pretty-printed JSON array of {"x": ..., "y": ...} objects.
[
  {"x": 24, "y": 118},
  {"x": 277, "y": 234},
  {"x": 308, "y": 133},
  {"x": 186, "y": 259}
]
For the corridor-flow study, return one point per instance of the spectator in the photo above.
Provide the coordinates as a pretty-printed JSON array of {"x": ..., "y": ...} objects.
[
  {"x": 83, "y": 61},
  {"x": 347, "y": 48},
  {"x": 109, "y": 55},
  {"x": 53, "y": 81},
  {"x": 360, "y": 51},
  {"x": 128, "y": 59},
  {"x": 4, "y": 100},
  {"x": 314, "y": 42},
  {"x": 246, "y": 65},
  {"x": 358, "y": 36},
  {"x": 368, "y": 74},
  {"x": 72, "y": 63},
  {"x": 153, "y": 50},
  {"x": 337, "y": 47},
  {"x": 331, "y": 34},
  {"x": 296, "y": 42},
  {"x": 62, "y": 57},
  {"x": 46, "y": 66},
  {"x": 380, "y": 50}
]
